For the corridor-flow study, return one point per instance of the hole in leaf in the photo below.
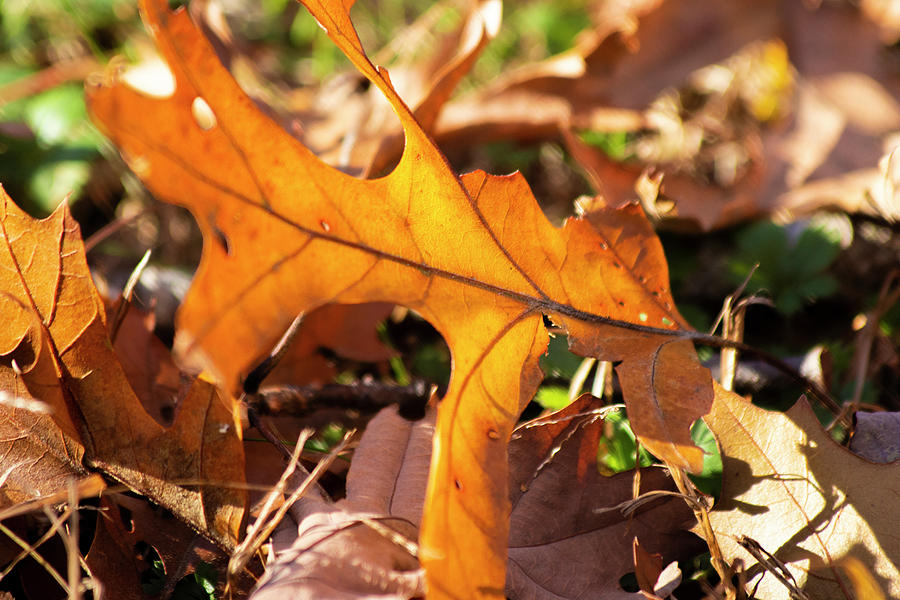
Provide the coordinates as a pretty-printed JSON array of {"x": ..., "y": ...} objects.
[
  {"x": 88, "y": 514},
  {"x": 199, "y": 585},
  {"x": 23, "y": 357},
  {"x": 424, "y": 355},
  {"x": 628, "y": 582},
  {"x": 203, "y": 115},
  {"x": 153, "y": 578}
]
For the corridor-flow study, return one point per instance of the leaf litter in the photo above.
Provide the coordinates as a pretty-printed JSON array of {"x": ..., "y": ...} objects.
[{"x": 602, "y": 278}]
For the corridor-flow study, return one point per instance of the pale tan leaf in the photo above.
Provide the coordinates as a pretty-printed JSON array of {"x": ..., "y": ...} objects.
[{"x": 802, "y": 498}]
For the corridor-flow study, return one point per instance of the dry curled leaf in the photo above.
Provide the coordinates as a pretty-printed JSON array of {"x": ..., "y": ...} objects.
[{"x": 563, "y": 514}]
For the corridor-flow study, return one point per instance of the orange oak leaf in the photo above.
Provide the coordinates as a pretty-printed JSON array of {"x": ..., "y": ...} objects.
[
  {"x": 55, "y": 349},
  {"x": 284, "y": 233}
]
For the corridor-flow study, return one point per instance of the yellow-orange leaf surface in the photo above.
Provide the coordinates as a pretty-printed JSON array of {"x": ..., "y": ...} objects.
[
  {"x": 54, "y": 348},
  {"x": 285, "y": 233}
]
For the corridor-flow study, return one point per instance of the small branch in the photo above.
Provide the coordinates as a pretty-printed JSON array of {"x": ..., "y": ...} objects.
[
  {"x": 110, "y": 229},
  {"x": 887, "y": 298},
  {"x": 770, "y": 563},
  {"x": 365, "y": 395},
  {"x": 814, "y": 389}
]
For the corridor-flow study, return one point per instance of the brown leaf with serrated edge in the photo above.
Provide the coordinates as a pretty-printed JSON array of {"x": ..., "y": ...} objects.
[
  {"x": 57, "y": 335},
  {"x": 803, "y": 498},
  {"x": 566, "y": 514},
  {"x": 284, "y": 233}
]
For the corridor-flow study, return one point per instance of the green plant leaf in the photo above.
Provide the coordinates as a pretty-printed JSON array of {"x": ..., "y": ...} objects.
[
  {"x": 709, "y": 480},
  {"x": 552, "y": 397},
  {"x": 618, "y": 446}
]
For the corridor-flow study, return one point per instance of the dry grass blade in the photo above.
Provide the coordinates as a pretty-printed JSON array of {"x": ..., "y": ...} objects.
[
  {"x": 254, "y": 539},
  {"x": 70, "y": 539},
  {"x": 125, "y": 298},
  {"x": 773, "y": 566},
  {"x": 887, "y": 298},
  {"x": 628, "y": 507},
  {"x": 85, "y": 488},
  {"x": 266, "y": 522},
  {"x": 31, "y": 550},
  {"x": 701, "y": 511}
]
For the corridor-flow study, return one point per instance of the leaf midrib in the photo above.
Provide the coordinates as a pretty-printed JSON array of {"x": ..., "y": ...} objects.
[{"x": 544, "y": 305}]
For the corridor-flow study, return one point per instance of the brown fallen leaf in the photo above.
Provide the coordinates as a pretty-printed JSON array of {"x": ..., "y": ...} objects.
[
  {"x": 56, "y": 351},
  {"x": 647, "y": 570},
  {"x": 606, "y": 81},
  {"x": 340, "y": 550},
  {"x": 474, "y": 255},
  {"x": 128, "y": 528},
  {"x": 821, "y": 110},
  {"x": 351, "y": 126},
  {"x": 568, "y": 513},
  {"x": 655, "y": 582},
  {"x": 39, "y": 457},
  {"x": 569, "y": 537},
  {"x": 802, "y": 498},
  {"x": 148, "y": 365}
]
